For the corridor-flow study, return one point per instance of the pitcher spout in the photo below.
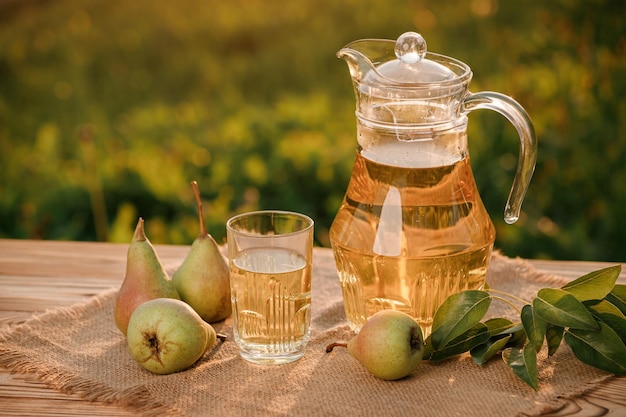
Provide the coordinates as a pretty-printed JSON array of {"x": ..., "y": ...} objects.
[{"x": 360, "y": 56}]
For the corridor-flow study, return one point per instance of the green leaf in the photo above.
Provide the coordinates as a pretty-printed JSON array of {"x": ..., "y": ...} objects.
[
  {"x": 554, "y": 336},
  {"x": 563, "y": 309},
  {"x": 601, "y": 349},
  {"x": 473, "y": 337},
  {"x": 498, "y": 326},
  {"x": 617, "y": 297},
  {"x": 501, "y": 327},
  {"x": 610, "y": 315},
  {"x": 459, "y": 313},
  {"x": 523, "y": 362},
  {"x": 534, "y": 325},
  {"x": 594, "y": 285},
  {"x": 518, "y": 338},
  {"x": 482, "y": 353}
]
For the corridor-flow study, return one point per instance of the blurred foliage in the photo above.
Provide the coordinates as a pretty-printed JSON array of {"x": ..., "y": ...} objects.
[{"x": 109, "y": 108}]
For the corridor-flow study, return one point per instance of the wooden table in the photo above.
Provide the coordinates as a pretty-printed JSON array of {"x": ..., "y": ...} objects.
[{"x": 40, "y": 275}]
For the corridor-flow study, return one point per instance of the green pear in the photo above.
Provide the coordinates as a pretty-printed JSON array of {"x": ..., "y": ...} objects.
[
  {"x": 145, "y": 279},
  {"x": 166, "y": 335},
  {"x": 390, "y": 345},
  {"x": 203, "y": 279}
]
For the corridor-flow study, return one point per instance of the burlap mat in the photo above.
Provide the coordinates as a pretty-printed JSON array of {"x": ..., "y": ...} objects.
[{"x": 79, "y": 350}]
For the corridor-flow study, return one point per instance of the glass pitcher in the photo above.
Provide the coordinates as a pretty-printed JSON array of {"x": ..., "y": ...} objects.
[{"x": 412, "y": 229}]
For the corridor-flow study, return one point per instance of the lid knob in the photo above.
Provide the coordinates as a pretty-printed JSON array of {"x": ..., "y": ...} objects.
[{"x": 410, "y": 47}]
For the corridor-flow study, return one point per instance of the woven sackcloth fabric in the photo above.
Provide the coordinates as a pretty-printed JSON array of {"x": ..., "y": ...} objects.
[{"x": 79, "y": 350}]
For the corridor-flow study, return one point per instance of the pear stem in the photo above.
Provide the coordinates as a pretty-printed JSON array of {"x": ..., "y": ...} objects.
[
  {"x": 330, "y": 347},
  {"x": 503, "y": 293},
  {"x": 504, "y": 300},
  {"x": 140, "y": 234},
  {"x": 196, "y": 191}
]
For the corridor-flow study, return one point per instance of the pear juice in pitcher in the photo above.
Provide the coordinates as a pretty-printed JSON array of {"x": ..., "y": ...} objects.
[{"x": 411, "y": 230}]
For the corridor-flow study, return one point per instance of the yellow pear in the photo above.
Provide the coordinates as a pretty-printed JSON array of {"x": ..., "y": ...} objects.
[
  {"x": 203, "y": 279},
  {"x": 167, "y": 335},
  {"x": 390, "y": 345},
  {"x": 145, "y": 279}
]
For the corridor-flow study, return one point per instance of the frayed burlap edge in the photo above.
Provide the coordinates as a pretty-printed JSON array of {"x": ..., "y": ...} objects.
[
  {"x": 137, "y": 398},
  {"x": 559, "y": 402}
]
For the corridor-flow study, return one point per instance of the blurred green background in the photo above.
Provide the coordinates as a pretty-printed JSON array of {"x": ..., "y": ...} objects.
[{"x": 109, "y": 108}]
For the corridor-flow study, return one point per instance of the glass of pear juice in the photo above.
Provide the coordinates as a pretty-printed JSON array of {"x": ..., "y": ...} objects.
[{"x": 270, "y": 257}]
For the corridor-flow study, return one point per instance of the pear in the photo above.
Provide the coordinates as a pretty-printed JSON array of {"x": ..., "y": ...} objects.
[
  {"x": 203, "y": 279},
  {"x": 145, "y": 279},
  {"x": 390, "y": 345},
  {"x": 166, "y": 335}
]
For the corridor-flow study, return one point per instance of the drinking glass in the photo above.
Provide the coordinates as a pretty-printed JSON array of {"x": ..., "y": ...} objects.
[{"x": 270, "y": 259}]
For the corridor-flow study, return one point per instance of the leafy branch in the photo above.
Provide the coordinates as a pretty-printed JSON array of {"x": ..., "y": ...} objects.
[{"x": 589, "y": 314}]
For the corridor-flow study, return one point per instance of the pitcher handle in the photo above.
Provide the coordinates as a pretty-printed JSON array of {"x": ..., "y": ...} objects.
[{"x": 518, "y": 117}]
